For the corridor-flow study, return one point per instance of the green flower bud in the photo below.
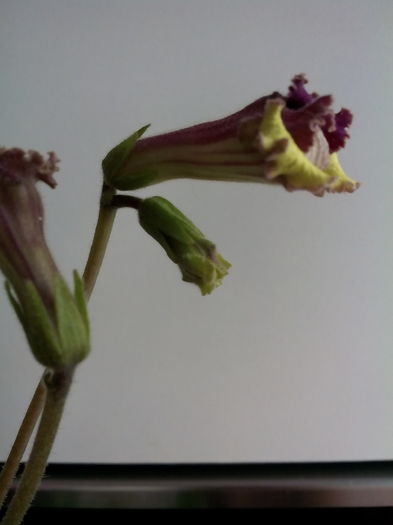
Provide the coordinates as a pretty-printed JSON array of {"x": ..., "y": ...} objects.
[
  {"x": 184, "y": 243},
  {"x": 54, "y": 319}
]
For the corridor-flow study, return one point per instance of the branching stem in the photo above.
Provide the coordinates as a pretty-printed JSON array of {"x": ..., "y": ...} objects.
[
  {"x": 10, "y": 467},
  {"x": 57, "y": 386}
]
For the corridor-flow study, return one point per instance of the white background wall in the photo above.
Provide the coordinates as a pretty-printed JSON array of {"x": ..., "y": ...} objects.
[{"x": 292, "y": 358}]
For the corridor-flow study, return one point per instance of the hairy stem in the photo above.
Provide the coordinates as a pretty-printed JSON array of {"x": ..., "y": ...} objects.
[
  {"x": 57, "y": 386},
  {"x": 22, "y": 438}
]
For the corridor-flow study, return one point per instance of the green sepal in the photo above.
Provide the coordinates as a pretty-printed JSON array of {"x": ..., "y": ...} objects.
[
  {"x": 40, "y": 330},
  {"x": 133, "y": 181},
  {"x": 14, "y": 302},
  {"x": 158, "y": 215},
  {"x": 115, "y": 159},
  {"x": 70, "y": 324},
  {"x": 80, "y": 298},
  {"x": 58, "y": 335}
]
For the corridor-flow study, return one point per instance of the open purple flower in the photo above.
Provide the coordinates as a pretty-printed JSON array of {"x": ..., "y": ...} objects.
[{"x": 287, "y": 139}]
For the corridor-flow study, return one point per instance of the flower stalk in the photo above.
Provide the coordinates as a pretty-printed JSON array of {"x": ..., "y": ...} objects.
[{"x": 103, "y": 230}]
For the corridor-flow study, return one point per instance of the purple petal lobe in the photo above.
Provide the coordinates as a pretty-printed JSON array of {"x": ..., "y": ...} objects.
[
  {"x": 298, "y": 96},
  {"x": 337, "y": 133},
  {"x": 303, "y": 122},
  {"x": 16, "y": 166},
  {"x": 304, "y": 108}
]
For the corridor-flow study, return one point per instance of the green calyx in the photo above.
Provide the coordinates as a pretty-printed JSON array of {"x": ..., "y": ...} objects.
[
  {"x": 184, "y": 244},
  {"x": 115, "y": 161},
  {"x": 58, "y": 338}
]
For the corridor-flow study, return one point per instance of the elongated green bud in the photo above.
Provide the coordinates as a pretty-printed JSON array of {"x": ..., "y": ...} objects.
[{"x": 184, "y": 243}]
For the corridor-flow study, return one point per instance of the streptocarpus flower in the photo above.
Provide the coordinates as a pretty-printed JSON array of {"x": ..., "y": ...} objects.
[
  {"x": 184, "y": 244},
  {"x": 54, "y": 320},
  {"x": 286, "y": 139}
]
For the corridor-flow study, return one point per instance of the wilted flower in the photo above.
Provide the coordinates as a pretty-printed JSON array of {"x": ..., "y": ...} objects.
[
  {"x": 287, "y": 139},
  {"x": 55, "y": 321},
  {"x": 184, "y": 244}
]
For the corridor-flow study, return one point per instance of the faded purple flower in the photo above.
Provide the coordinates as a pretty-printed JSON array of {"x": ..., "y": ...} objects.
[
  {"x": 23, "y": 249},
  {"x": 54, "y": 320}
]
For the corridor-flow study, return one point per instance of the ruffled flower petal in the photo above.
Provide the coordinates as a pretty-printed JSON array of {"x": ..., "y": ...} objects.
[{"x": 288, "y": 164}]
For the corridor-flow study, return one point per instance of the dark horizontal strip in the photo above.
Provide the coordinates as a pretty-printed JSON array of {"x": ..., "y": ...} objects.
[{"x": 289, "y": 485}]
